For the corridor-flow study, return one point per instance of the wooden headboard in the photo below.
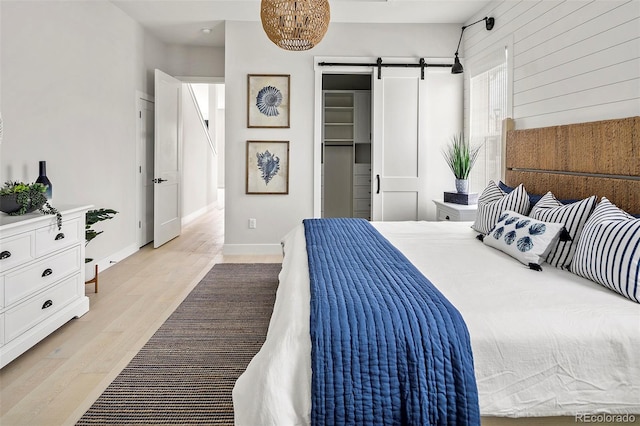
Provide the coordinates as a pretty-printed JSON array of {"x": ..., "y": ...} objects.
[{"x": 578, "y": 160}]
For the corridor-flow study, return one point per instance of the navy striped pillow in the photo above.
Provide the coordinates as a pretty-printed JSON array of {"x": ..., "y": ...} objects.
[
  {"x": 493, "y": 201},
  {"x": 608, "y": 251},
  {"x": 573, "y": 216}
]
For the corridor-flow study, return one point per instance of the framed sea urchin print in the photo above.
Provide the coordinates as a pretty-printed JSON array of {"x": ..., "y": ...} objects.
[
  {"x": 268, "y": 100},
  {"x": 267, "y": 167}
]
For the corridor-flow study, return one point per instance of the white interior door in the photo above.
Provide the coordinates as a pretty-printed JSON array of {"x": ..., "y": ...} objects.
[
  {"x": 413, "y": 119},
  {"x": 145, "y": 170},
  {"x": 167, "y": 171},
  {"x": 398, "y": 167}
]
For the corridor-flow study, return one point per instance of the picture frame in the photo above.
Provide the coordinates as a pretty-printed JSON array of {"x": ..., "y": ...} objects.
[
  {"x": 268, "y": 100},
  {"x": 267, "y": 167}
]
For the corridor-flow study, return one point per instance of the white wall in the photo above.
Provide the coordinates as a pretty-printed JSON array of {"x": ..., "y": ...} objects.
[
  {"x": 573, "y": 61},
  {"x": 199, "y": 171},
  {"x": 70, "y": 71},
  {"x": 217, "y": 130},
  {"x": 248, "y": 51},
  {"x": 194, "y": 61}
]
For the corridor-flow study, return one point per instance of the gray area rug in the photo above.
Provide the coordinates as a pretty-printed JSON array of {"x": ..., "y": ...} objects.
[{"x": 185, "y": 373}]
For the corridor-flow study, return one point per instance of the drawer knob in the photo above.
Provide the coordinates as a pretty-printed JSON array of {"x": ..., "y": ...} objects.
[
  {"x": 47, "y": 304},
  {"x": 60, "y": 236},
  {"x": 5, "y": 255},
  {"x": 47, "y": 272}
]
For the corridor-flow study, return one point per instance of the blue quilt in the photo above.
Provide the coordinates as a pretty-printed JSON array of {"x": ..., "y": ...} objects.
[{"x": 387, "y": 348}]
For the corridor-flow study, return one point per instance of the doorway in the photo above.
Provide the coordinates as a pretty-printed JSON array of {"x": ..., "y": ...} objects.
[
  {"x": 201, "y": 155},
  {"x": 346, "y": 146}
]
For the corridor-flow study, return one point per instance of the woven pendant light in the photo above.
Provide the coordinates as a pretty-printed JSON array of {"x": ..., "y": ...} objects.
[{"x": 295, "y": 24}]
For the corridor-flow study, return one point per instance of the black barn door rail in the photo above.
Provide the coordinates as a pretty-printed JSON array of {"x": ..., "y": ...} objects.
[{"x": 379, "y": 64}]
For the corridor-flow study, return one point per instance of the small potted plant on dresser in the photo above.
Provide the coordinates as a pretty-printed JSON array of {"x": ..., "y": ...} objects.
[
  {"x": 18, "y": 198},
  {"x": 93, "y": 217}
]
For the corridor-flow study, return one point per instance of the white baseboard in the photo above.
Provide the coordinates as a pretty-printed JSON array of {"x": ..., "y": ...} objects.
[
  {"x": 109, "y": 261},
  {"x": 193, "y": 216},
  {"x": 252, "y": 249}
]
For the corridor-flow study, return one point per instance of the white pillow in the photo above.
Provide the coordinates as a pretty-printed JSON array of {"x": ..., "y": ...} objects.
[
  {"x": 493, "y": 201},
  {"x": 608, "y": 251},
  {"x": 573, "y": 216},
  {"x": 523, "y": 238}
]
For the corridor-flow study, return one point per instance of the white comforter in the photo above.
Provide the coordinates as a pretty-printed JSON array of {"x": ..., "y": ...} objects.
[{"x": 545, "y": 343}]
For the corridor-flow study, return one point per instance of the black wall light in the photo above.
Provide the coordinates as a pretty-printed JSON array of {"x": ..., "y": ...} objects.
[{"x": 457, "y": 66}]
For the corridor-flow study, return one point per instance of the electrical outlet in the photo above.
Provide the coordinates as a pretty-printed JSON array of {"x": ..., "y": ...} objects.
[{"x": 252, "y": 223}]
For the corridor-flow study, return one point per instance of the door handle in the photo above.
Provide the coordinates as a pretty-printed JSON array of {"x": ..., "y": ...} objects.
[
  {"x": 159, "y": 180},
  {"x": 378, "y": 181}
]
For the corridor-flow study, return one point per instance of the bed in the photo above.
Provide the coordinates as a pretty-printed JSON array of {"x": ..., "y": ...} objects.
[{"x": 545, "y": 343}]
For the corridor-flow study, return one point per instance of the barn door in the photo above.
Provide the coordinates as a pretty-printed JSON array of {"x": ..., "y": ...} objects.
[{"x": 413, "y": 119}]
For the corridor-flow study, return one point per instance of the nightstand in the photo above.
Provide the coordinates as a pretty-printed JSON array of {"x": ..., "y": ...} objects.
[{"x": 455, "y": 212}]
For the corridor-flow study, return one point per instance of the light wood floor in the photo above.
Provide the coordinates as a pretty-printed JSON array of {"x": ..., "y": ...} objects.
[{"x": 57, "y": 380}]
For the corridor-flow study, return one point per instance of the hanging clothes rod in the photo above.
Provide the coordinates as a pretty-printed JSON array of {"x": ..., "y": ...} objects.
[{"x": 379, "y": 64}]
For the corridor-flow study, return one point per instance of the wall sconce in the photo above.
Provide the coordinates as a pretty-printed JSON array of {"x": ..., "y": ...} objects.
[{"x": 457, "y": 66}]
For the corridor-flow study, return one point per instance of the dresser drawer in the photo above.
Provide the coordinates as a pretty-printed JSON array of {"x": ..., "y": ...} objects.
[
  {"x": 40, "y": 274},
  {"x": 364, "y": 180},
  {"x": 362, "y": 169},
  {"x": 362, "y": 204},
  {"x": 50, "y": 238},
  {"x": 446, "y": 215},
  {"x": 38, "y": 308},
  {"x": 362, "y": 192},
  {"x": 16, "y": 250}
]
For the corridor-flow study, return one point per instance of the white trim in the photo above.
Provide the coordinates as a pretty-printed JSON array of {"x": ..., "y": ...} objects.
[
  {"x": 196, "y": 214},
  {"x": 116, "y": 257},
  {"x": 140, "y": 96},
  {"x": 252, "y": 249},
  {"x": 317, "y": 117}
]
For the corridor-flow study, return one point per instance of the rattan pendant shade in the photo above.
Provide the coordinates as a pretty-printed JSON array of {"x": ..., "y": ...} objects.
[{"x": 295, "y": 24}]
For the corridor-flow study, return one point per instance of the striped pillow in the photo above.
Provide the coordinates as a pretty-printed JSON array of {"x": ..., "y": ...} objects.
[
  {"x": 573, "y": 216},
  {"x": 608, "y": 250},
  {"x": 493, "y": 201}
]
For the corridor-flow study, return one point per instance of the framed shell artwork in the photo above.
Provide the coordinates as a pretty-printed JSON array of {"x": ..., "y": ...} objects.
[
  {"x": 268, "y": 100},
  {"x": 267, "y": 167}
]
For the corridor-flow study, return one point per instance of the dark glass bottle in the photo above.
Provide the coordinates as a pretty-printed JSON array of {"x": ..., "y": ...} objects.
[{"x": 43, "y": 179}]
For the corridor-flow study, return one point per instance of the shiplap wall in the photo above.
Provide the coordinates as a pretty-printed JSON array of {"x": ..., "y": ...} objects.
[{"x": 573, "y": 61}]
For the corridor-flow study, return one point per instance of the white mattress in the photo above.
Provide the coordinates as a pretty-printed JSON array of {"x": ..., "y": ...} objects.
[{"x": 545, "y": 343}]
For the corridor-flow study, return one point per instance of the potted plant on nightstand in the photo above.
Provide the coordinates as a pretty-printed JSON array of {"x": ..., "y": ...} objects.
[
  {"x": 460, "y": 157},
  {"x": 93, "y": 217},
  {"x": 18, "y": 198}
]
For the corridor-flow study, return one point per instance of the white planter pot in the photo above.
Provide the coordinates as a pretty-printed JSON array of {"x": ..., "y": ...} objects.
[
  {"x": 89, "y": 271},
  {"x": 462, "y": 186}
]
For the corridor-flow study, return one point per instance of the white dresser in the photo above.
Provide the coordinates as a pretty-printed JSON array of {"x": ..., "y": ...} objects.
[{"x": 41, "y": 277}]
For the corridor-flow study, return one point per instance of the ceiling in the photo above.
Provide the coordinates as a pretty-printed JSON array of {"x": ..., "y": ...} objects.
[{"x": 181, "y": 21}]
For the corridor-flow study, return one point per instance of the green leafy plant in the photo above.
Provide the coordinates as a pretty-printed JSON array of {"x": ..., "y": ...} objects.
[
  {"x": 460, "y": 156},
  {"x": 93, "y": 217},
  {"x": 19, "y": 198}
]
